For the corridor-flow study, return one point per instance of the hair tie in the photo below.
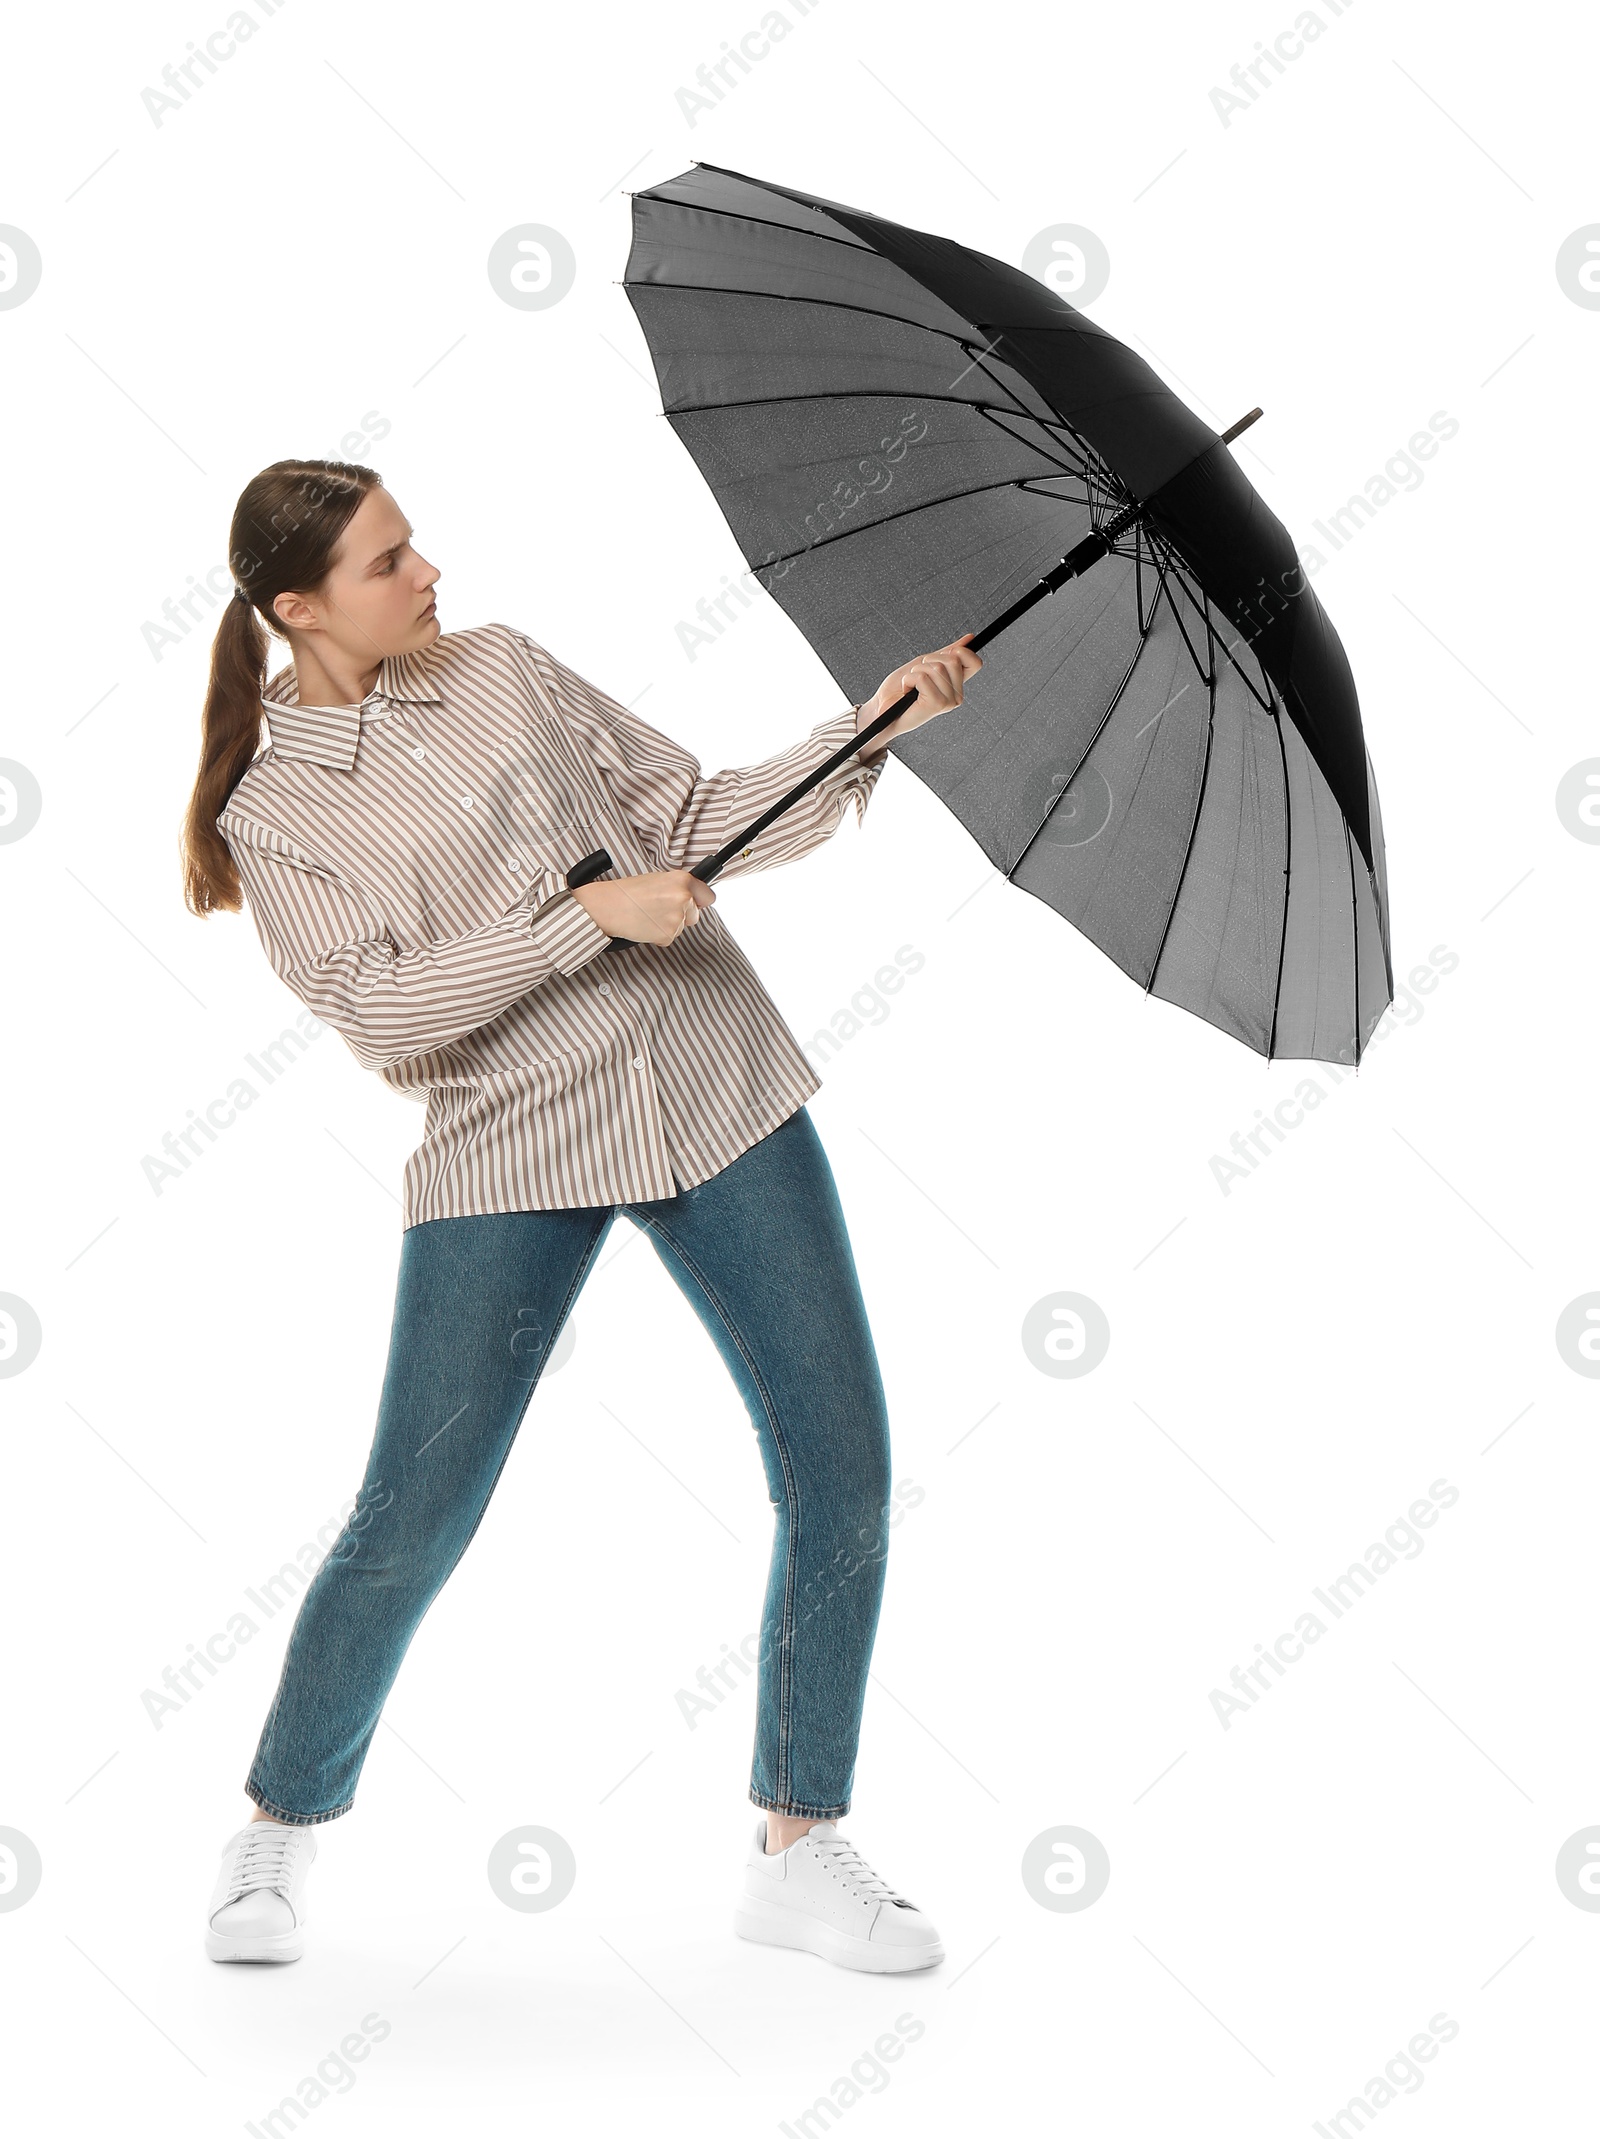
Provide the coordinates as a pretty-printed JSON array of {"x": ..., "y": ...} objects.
[{"x": 239, "y": 594}]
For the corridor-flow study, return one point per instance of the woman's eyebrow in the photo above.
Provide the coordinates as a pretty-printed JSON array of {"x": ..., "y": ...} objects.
[{"x": 393, "y": 548}]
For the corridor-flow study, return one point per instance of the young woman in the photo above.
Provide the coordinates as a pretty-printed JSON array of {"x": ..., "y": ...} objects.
[{"x": 403, "y": 840}]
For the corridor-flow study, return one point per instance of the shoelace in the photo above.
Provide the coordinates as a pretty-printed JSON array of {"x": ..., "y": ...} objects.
[
  {"x": 261, "y": 1860},
  {"x": 848, "y": 1860}
]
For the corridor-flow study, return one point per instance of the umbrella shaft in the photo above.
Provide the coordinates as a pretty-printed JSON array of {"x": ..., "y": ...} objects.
[{"x": 1089, "y": 551}]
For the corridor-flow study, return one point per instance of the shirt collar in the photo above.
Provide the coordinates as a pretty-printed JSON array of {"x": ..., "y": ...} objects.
[{"x": 328, "y": 735}]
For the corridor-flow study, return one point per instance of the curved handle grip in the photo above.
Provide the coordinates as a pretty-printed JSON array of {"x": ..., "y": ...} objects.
[{"x": 592, "y": 865}]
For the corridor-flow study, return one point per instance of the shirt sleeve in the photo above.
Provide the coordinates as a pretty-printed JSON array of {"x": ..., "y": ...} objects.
[
  {"x": 328, "y": 941},
  {"x": 683, "y": 814}
]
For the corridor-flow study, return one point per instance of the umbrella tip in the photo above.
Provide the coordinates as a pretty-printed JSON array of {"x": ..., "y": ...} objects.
[{"x": 1243, "y": 424}]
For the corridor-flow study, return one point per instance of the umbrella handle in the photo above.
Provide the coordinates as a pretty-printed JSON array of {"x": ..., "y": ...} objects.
[
  {"x": 588, "y": 869},
  {"x": 585, "y": 872}
]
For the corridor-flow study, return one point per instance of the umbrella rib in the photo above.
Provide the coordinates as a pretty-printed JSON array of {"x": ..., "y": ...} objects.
[
  {"x": 1264, "y": 703},
  {"x": 767, "y": 222},
  {"x": 840, "y": 393},
  {"x": 886, "y": 393},
  {"x": 898, "y": 319},
  {"x": 1088, "y": 748},
  {"x": 1199, "y": 805},
  {"x": 1083, "y": 759},
  {"x": 1380, "y": 913},
  {"x": 1054, "y": 420},
  {"x": 1162, "y": 554},
  {"x": 1115, "y": 494},
  {"x": 1200, "y": 665},
  {"x": 835, "y": 304},
  {"x": 1162, "y": 565},
  {"x": 1214, "y": 640},
  {"x": 1062, "y": 497},
  {"x": 1288, "y": 878},
  {"x": 1355, "y": 947},
  {"x": 1180, "y": 570},
  {"x": 888, "y": 519},
  {"x": 1345, "y": 822},
  {"x": 1082, "y": 468},
  {"x": 828, "y": 304}
]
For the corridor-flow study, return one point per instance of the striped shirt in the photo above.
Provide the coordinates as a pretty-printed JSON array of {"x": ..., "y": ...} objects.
[{"x": 405, "y": 861}]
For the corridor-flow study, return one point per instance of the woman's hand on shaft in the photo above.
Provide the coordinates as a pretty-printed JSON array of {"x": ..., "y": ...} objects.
[
  {"x": 938, "y": 679},
  {"x": 646, "y": 909}
]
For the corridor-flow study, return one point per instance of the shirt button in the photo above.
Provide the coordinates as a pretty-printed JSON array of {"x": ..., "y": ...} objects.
[
  {"x": 605, "y": 987},
  {"x": 466, "y": 802},
  {"x": 419, "y": 753},
  {"x": 514, "y": 863},
  {"x": 638, "y": 1061}
]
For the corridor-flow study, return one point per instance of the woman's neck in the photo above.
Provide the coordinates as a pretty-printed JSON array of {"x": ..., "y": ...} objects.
[{"x": 324, "y": 677}]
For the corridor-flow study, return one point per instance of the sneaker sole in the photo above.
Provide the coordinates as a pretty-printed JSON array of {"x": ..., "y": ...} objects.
[
  {"x": 770, "y": 1924},
  {"x": 285, "y": 1946}
]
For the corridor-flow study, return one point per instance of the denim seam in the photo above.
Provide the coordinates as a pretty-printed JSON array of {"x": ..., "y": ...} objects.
[
  {"x": 293, "y": 1819},
  {"x": 786, "y": 1637},
  {"x": 799, "y": 1812}
]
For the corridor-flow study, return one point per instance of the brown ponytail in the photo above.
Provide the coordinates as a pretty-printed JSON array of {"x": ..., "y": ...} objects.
[{"x": 286, "y": 528}]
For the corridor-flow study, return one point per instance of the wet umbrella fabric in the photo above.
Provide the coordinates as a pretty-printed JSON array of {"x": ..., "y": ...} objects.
[{"x": 905, "y": 436}]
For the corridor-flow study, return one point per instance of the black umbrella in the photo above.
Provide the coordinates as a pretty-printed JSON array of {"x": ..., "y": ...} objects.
[{"x": 906, "y": 436}]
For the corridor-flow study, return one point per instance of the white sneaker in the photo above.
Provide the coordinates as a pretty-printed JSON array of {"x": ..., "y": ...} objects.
[
  {"x": 257, "y": 1911},
  {"x": 821, "y": 1895}
]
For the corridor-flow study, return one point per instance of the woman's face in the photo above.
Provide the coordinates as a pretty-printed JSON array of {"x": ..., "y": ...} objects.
[{"x": 377, "y": 598}]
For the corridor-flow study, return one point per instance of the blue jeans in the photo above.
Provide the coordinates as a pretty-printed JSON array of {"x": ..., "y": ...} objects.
[{"x": 762, "y": 1254}]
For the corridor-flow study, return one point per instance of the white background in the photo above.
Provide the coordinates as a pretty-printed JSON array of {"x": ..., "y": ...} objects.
[{"x": 1291, "y": 1363}]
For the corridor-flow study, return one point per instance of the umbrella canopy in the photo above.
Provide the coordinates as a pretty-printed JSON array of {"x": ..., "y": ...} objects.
[{"x": 905, "y": 436}]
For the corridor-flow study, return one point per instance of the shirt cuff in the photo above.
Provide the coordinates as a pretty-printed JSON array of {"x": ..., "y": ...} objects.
[
  {"x": 567, "y": 933},
  {"x": 840, "y": 728}
]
